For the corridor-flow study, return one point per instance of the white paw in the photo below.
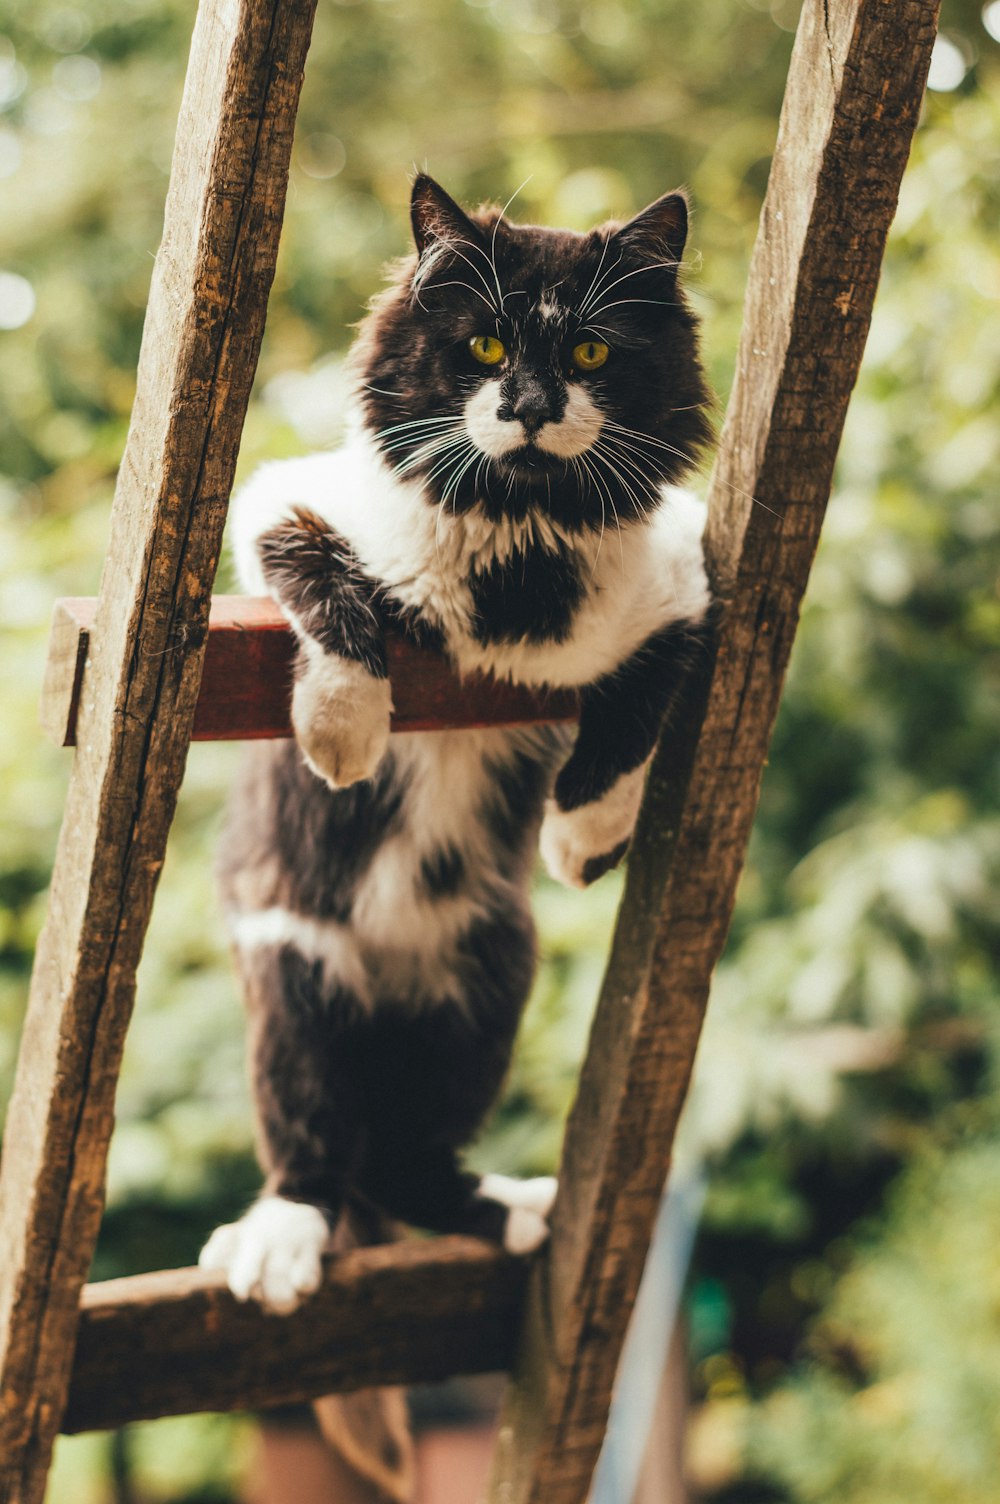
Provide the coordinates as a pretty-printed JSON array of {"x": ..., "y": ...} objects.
[
  {"x": 529, "y": 1203},
  {"x": 578, "y": 845},
  {"x": 524, "y": 1230},
  {"x": 340, "y": 714},
  {"x": 273, "y": 1254}
]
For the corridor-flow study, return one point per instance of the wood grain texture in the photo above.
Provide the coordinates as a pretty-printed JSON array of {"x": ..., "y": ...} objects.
[
  {"x": 169, "y": 1343},
  {"x": 199, "y": 351},
  {"x": 853, "y": 96},
  {"x": 246, "y": 682}
]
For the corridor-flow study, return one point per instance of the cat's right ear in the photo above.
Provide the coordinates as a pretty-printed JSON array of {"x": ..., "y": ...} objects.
[{"x": 436, "y": 218}]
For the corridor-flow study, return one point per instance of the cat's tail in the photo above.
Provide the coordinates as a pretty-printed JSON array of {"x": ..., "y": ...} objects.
[{"x": 370, "y": 1429}]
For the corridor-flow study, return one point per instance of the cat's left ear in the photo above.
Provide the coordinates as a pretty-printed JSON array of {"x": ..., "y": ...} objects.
[
  {"x": 435, "y": 216},
  {"x": 658, "y": 233}
]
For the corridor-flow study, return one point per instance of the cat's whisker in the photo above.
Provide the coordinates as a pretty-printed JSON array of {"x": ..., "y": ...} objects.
[
  {"x": 646, "y": 483},
  {"x": 469, "y": 288},
  {"x": 406, "y": 448},
  {"x": 382, "y": 392},
  {"x": 586, "y": 300},
  {"x": 453, "y": 245},
  {"x": 493, "y": 241},
  {"x": 456, "y": 466},
  {"x": 603, "y": 457},
  {"x": 442, "y": 452},
  {"x": 426, "y": 445},
  {"x": 410, "y": 454},
  {"x": 604, "y": 491},
  {"x": 639, "y": 271},
  {"x": 446, "y": 454},
  {"x": 597, "y": 554},
  {"x": 646, "y": 438},
  {"x": 419, "y": 422},
  {"x": 623, "y": 302},
  {"x": 408, "y": 441}
]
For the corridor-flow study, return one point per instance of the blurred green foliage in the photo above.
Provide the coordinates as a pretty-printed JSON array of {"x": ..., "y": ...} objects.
[{"x": 844, "y": 1300}]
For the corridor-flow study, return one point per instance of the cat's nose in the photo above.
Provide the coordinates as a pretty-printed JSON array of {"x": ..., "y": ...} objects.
[{"x": 526, "y": 401}]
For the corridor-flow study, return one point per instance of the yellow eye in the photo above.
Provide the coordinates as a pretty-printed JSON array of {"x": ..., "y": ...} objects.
[
  {"x": 487, "y": 350},
  {"x": 591, "y": 354}
]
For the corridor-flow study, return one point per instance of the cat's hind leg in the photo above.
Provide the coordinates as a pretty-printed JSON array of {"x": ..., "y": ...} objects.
[
  {"x": 305, "y": 1028},
  {"x": 428, "y": 1188}
]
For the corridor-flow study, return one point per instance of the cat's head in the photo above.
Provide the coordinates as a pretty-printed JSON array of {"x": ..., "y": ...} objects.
[{"x": 513, "y": 367}]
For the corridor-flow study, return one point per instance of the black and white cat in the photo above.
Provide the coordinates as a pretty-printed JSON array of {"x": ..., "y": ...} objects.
[{"x": 526, "y": 399}]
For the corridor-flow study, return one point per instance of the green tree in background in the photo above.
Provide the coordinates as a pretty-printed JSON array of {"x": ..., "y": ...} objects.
[{"x": 843, "y": 1303}]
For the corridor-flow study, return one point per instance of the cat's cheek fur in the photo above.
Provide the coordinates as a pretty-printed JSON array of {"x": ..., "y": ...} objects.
[
  {"x": 340, "y": 714},
  {"x": 577, "y": 429},
  {"x": 273, "y": 1254},
  {"x": 578, "y": 845},
  {"x": 490, "y": 434}
]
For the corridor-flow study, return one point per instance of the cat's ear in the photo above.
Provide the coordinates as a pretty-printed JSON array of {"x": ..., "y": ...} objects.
[
  {"x": 658, "y": 233},
  {"x": 435, "y": 216}
]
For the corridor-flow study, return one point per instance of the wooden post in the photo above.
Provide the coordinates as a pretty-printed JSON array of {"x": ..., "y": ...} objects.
[
  {"x": 199, "y": 352},
  {"x": 854, "y": 91}
]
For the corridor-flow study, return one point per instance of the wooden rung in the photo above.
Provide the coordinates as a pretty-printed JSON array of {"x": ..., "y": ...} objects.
[
  {"x": 176, "y": 1342},
  {"x": 246, "y": 683}
]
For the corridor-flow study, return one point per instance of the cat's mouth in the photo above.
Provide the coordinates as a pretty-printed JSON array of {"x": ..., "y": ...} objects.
[{"x": 531, "y": 463}]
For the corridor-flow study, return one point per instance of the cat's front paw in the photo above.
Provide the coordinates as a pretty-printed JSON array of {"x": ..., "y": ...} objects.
[
  {"x": 528, "y": 1204},
  {"x": 273, "y": 1254},
  {"x": 580, "y": 845},
  {"x": 340, "y": 715}
]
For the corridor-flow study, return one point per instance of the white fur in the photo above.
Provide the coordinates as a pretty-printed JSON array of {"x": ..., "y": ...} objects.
[
  {"x": 402, "y": 945},
  {"x": 573, "y": 434},
  {"x": 340, "y": 713},
  {"x": 273, "y": 1254},
  {"x": 333, "y": 945},
  {"x": 410, "y": 941},
  {"x": 649, "y": 575},
  {"x": 576, "y": 430},
  {"x": 492, "y": 435},
  {"x": 572, "y": 838},
  {"x": 529, "y": 1203},
  {"x": 524, "y": 1230},
  {"x": 535, "y": 1195}
]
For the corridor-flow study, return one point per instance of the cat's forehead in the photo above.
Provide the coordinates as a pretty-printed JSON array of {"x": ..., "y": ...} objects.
[
  {"x": 542, "y": 265},
  {"x": 542, "y": 272}
]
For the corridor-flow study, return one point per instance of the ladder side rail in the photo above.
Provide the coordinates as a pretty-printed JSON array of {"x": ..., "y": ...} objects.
[
  {"x": 852, "y": 100},
  {"x": 201, "y": 339}
]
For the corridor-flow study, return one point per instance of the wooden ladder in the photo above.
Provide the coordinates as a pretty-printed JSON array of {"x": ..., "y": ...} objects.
[{"x": 76, "y": 1358}]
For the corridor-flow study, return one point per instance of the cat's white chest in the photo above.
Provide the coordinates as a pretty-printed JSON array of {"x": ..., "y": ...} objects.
[{"x": 635, "y": 583}]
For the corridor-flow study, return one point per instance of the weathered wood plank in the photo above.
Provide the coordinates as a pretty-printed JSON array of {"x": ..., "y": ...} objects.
[
  {"x": 170, "y": 1343},
  {"x": 854, "y": 91},
  {"x": 246, "y": 681},
  {"x": 202, "y": 335}
]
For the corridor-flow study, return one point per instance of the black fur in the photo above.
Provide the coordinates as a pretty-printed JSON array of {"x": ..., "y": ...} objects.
[
  {"x": 618, "y": 284},
  {"x": 621, "y": 715},
  {"x": 372, "y": 1090},
  {"x": 315, "y": 575},
  {"x": 311, "y": 844},
  {"x": 530, "y": 596},
  {"x": 442, "y": 871}
]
